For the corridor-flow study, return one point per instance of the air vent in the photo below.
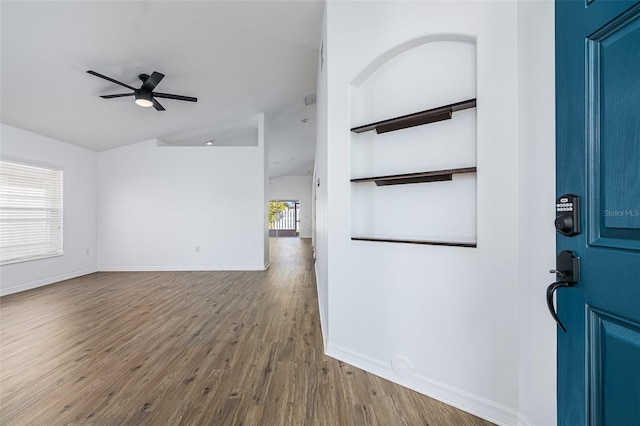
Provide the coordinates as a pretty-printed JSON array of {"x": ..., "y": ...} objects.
[{"x": 310, "y": 100}]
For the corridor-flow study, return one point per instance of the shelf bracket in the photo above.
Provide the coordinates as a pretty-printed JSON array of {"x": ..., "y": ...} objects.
[
  {"x": 432, "y": 115},
  {"x": 414, "y": 179},
  {"x": 417, "y": 121},
  {"x": 430, "y": 176}
]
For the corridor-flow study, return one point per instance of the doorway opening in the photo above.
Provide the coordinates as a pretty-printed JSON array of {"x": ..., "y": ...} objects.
[{"x": 284, "y": 218}]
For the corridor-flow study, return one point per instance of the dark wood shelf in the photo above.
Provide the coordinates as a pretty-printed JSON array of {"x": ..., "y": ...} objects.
[
  {"x": 430, "y": 176},
  {"x": 416, "y": 119},
  {"x": 423, "y": 242}
]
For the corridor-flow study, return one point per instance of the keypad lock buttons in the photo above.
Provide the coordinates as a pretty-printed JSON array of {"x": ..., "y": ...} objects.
[{"x": 568, "y": 215}]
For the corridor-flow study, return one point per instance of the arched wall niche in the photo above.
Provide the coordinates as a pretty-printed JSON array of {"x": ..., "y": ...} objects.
[
  {"x": 424, "y": 72},
  {"x": 408, "y": 45},
  {"x": 417, "y": 75}
]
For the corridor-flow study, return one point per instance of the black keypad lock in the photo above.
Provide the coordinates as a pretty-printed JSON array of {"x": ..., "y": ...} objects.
[{"x": 568, "y": 215}]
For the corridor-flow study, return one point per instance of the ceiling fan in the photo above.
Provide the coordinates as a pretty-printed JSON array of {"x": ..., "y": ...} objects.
[{"x": 145, "y": 96}]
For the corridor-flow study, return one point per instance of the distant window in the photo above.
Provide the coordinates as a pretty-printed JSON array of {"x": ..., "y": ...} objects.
[{"x": 30, "y": 212}]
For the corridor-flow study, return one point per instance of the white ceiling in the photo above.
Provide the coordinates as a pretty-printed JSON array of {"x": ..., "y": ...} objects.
[{"x": 239, "y": 58}]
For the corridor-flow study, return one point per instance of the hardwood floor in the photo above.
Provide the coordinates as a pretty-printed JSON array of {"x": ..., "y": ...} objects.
[{"x": 211, "y": 348}]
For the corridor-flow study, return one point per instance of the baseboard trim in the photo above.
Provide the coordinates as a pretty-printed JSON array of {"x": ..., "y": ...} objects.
[
  {"x": 474, "y": 404},
  {"x": 46, "y": 281},
  {"x": 524, "y": 421},
  {"x": 165, "y": 268}
]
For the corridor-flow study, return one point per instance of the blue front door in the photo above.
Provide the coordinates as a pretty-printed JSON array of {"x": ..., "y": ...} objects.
[{"x": 598, "y": 159}]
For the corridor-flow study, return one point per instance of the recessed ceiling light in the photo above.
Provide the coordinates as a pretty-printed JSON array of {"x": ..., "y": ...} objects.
[{"x": 209, "y": 142}]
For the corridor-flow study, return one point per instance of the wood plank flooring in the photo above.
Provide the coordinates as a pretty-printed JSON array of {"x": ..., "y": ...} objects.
[{"x": 190, "y": 348}]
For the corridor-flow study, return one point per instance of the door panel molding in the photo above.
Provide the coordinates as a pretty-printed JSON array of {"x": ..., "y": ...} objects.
[
  {"x": 614, "y": 222},
  {"x": 611, "y": 340}
]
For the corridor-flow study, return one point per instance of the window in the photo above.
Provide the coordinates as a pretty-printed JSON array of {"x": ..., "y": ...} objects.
[{"x": 30, "y": 212}]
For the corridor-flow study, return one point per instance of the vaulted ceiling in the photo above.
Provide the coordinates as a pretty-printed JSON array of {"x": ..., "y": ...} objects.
[{"x": 239, "y": 58}]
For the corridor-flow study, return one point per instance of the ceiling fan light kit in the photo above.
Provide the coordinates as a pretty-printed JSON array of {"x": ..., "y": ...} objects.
[
  {"x": 144, "y": 96},
  {"x": 143, "y": 99}
]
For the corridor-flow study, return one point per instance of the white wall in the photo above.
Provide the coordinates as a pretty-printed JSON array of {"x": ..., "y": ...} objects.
[
  {"x": 295, "y": 188},
  {"x": 320, "y": 195},
  {"x": 264, "y": 138},
  {"x": 158, "y": 203},
  {"x": 536, "y": 133},
  {"x": 79, "y": 206},
  {"x": 442, "y": 320}
]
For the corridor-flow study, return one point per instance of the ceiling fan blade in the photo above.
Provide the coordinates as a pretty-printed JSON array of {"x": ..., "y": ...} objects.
[
  {"x": 176, "y": 97},
  {"x": 157, "y": 105},
  {"x": 110, "y": 79},
  {"x": 119, "y": 95},
  {"x": 152, "y": 81}
]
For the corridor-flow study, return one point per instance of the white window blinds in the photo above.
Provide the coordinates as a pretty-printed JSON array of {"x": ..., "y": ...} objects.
[{"x": 30, "y": 212}]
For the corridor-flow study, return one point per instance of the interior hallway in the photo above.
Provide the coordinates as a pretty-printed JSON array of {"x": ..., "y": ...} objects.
[{"x": 223, "y": 348}]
